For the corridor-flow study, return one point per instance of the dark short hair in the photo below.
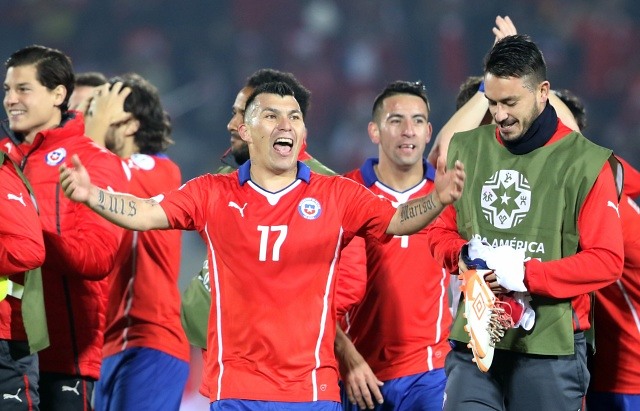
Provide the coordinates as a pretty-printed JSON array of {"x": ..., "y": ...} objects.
[
  {"x": 278, "y": 87},
  {"x": 53, "y": 68},
  {"x": 90, "y": 79},
  {"x": 516, "y": 56},
  {"x": 415, "y": 88},
  {"x": 154, "y": 134},
  {"x": 268, "y": 75},
  {"x": 467, "y": 90},
  {"x": 575, "y": 105}
]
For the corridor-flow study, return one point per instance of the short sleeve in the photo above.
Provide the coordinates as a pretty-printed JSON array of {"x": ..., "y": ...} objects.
[
  {"x": 366, "y": 214},
  {"x": 185, "y": 207}
]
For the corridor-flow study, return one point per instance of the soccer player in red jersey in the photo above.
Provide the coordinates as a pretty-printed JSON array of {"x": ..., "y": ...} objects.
[
  {"x": 144, "y": 343},
  {"x": 615, "y": 382},
  {"x": 81, "y": 249},
  {"x": 402, "y": 323},
  {"x": 197, "y": 297},
  {"x": 274, "y": 231},
  {"x": 615, "y": 376}
]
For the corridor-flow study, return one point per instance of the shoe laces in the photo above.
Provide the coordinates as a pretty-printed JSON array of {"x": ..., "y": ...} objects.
[{"x": 500, "y": 321}]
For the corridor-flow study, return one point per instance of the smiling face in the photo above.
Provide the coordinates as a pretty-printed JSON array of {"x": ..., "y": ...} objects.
[
  {"x": 402, "y": 130},
  {"x": 30, "y": 106},
  {"x": 274, "y": 129},
  {"x": 514, "y": 103}
]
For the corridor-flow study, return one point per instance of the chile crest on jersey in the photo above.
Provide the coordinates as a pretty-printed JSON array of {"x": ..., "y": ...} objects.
[
  {"x": 55, "y": 157},
  {"x": 309, "y": 208}
]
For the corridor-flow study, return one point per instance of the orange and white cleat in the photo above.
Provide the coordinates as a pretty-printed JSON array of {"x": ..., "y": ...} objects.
[{"x": 487, "y": 319}]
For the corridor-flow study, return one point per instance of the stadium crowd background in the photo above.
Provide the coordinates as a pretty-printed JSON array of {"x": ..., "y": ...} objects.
[{"x": 199, "y": 52}]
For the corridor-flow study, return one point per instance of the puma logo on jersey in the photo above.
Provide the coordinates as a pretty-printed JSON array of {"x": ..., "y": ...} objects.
[
  {"x": 8, "y": 146},
  {"x": 15, "y": 397},
  {"x": 614, "y": 206},
  {"x": 16, "y": 198},
  {"x": 241, "y": 210},
  {"x": 72, "y": 389}
]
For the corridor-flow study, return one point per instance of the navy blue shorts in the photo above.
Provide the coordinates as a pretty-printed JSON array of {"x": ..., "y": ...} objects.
[
  {"x": 418, "y": 392},
  {"x": 141, "y": 378},
  {"x": 250, "y": 405},
  {"x": 611, "y": 401}
]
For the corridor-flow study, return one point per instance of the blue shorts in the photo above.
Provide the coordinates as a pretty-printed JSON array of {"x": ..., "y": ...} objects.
[
  {"x": 611, "y": 401},
  {"x": 250, "y": 405},
  {"x": 141, "y": 378},
  {"x": 418, "y": 392}
]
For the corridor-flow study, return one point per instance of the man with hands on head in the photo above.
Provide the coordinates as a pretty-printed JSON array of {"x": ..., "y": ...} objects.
[
  {"x": 144, "y": 343},
  {"x": 288, "y": 224}
]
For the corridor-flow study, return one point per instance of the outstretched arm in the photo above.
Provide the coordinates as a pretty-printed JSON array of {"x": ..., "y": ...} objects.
[
  {"x": 414, "y": 215},
  {"x": 124, "y": 210},
  {"x": 468, "y": 117}
]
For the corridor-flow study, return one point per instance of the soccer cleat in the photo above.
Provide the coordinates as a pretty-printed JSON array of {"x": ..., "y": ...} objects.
[{"x": 487, "y": 318}]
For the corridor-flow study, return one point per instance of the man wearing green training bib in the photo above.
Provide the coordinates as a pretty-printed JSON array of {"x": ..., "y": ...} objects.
[{"x": 546, "y": 191}]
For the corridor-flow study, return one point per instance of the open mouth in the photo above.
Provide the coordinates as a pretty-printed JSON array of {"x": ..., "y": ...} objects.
[
  {"x": 283, "y": 145},
  {"x": 507, "y": 125}
]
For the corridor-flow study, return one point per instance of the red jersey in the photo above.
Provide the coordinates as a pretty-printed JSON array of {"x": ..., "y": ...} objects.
[
  {"x": 617, "y": 316},
  {"x": 144, "y": 299},
  {"x": 631, "y": 179},
  {"x": 571, "y": 277},
  {"x": 80, "y": 245},
  {"x": 21, "y": 244},
  {"x": 402, "y": 324},
  {"x": 272, "y": 261}
]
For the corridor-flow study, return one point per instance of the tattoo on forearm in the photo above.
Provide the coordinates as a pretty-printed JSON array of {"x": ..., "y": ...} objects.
[
  {"x": 114, "y": 205},
  {"x": 132, "y": 209},
  {"x": 413, "y": 210},
  {"x": 101, "y": 200}
]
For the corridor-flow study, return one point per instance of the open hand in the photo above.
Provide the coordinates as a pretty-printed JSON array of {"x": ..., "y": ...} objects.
[
  {"x": 108, "y": 101},
  {"x": 504, "y": 27},
  {"x": 75, "y": 181},
  {"x": 449, "y": 183}
]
